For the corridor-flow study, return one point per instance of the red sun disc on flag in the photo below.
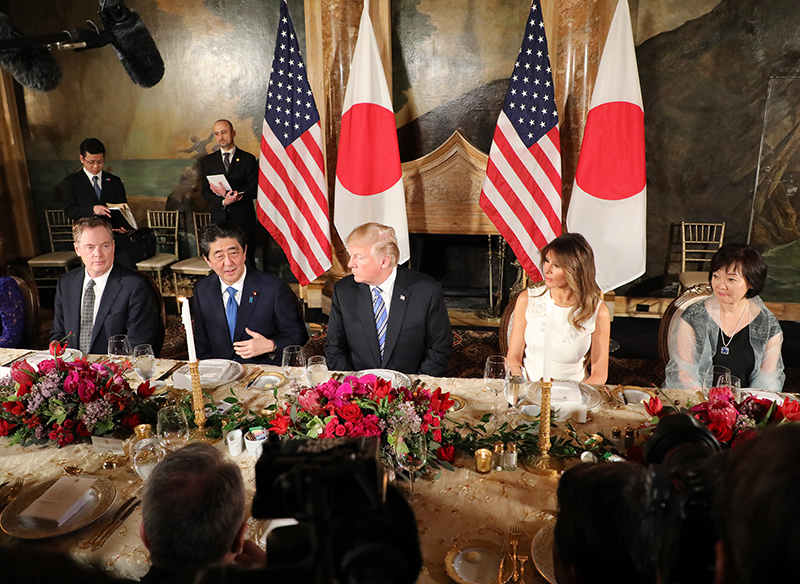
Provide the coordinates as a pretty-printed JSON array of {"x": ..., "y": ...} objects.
[
  {"x": 612, "y": 162},
  {"x": 368, "y": 162}
]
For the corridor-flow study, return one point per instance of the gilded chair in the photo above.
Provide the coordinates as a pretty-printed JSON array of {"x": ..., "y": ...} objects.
[
  {"x": 164, "y": 225},
  {"x": 673, "y": 313},
  {"x": 48, "y": 267},
  {"x": 185, "y": 272},
  {"x": 699, "y": 243}
]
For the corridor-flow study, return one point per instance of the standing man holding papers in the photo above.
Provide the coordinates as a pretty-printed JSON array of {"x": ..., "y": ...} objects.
[
  {"x": 89, "y": 191},
  {"x": 230, "y": 183}
]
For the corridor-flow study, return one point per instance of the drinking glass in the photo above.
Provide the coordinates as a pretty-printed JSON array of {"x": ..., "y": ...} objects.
[
  {"x": 144, "y": 361},
  {"x": 515, "y": 388},
  {"x": 317, "y": 370},
  {"x": 294, "y": 364},
  {"x": 716, "y": 376},
  {"x": 411, "y": 453},
  {"x": 119, "y": 348},
  {"x": 173, "y": 427},
  {"x": 146, "y": 455},
  {"x": 494, "y": 375},
  {"x": 736, "y": 388}
]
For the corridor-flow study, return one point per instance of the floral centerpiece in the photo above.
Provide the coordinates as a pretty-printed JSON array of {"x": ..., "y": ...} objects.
[
  {"x": 64, "y": 402},
  {"x": 366, "y": 406}
]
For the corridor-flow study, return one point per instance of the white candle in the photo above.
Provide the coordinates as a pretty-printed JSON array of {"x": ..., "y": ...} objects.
[
  {"x": 546, "y": 354},
  {"x": 186, "y": 317}
]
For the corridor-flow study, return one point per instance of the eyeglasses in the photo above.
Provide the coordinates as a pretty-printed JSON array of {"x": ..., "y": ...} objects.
[{"x": 94, "y": 162}]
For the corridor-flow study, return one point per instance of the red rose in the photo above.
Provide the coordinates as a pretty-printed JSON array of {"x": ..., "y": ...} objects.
[
  {"x": 720, "y": 431},
  {"x": 446, "y": 452},
  {"x": 340, "y": 431},
  {"x": 144, "y": 390},
  {"x": 437, "y": 435},
  {"x": 350, "y": 412},
  {"x": 280, "y": 425},
  {"x": 129, "y": 421},
  {"x": 5, "y": 427},
  {"x": 82, "y": 430}
]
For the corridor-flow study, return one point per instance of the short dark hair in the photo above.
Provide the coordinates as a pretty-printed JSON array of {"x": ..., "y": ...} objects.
[
  {"x": 749, "y": 262},
  {"x": 92, "y": 146},
  {"x": 592, "y": 497},
  {"x": 230, "y": 125},
  {"x": 192, "y": 508},
  {"x": 214, "y": 231},
  {"x": 85, "y": 223},
  {"x": 758, "y": 507}
]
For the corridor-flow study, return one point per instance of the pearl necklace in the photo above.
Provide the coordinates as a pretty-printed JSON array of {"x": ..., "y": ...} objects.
[{"x": 724, "y": 348}]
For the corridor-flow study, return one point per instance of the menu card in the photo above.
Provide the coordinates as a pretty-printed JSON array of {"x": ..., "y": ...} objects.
[{"x": 58, "y": 503}]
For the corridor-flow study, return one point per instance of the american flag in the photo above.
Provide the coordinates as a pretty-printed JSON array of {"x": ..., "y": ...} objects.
[
  {"x": 292, "y": 193},
  {"x": 522, "y": 189}
]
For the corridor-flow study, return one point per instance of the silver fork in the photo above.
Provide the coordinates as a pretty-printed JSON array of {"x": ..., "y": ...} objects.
[{"x": 514, "y": 541}]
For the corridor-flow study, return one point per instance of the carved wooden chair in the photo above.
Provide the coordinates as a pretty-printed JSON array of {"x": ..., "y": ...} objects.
[{"x": 673, "y": 313}]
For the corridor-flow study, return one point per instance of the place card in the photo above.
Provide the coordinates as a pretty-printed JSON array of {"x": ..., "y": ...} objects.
[
  {"x": 113, "y": 445},
  {"x": 58, "y": 503}
]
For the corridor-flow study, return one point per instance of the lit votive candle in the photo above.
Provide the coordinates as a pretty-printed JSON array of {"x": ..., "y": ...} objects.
[{"x": 483, "y": 460}]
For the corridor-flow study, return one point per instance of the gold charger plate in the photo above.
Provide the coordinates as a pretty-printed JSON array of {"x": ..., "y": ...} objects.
[
  {"x": 103, "y": 494},
  {"x": 268, "y": 381},
  {"x": 542, "y": 552},
  {"x": 635, "y": 395},
  {"x": 476, "y": 562},
  {"x": 460, "y": 403}
]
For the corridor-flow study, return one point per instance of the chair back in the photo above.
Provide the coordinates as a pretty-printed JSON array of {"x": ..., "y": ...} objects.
[
  {"x": 673, "y": 313},
  {"x": 30, "y": 293},
  {"x": 165, "y": 227},
  {"x": 699, "y": 243},
  {"x": 200, "y": 221},
  {"x": 59, "y": 227},
  {"x": 507, "y": 319},
  {"x": 161, "y": 326}
]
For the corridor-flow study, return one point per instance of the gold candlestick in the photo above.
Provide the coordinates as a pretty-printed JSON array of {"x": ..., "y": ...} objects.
[
  {"x": 197, "y": 395},
  {"x": 544, "y": 425}
]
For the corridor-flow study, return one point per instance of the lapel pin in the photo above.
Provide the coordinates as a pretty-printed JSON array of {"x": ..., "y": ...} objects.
[
  {"x": 402, "y": 297},
  {"x": 253, "y": 296}
]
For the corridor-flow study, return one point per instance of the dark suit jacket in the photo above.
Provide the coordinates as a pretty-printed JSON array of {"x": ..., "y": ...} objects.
[
  {"x": 418, "y": 335},
  {"x": 243, "y": 177},
  {"x": 77, "y": 193},
  {"x": 126, "y": 307},
  {"x": 268, "y": 306}
]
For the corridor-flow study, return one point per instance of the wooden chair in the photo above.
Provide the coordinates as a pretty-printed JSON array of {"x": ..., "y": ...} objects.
[
  {"x": 674, "y": 311},
  {"x": 507, "y": 320},
  {"x": 185, "y": 272},
  {"x": 699, "y": 243},
  {"x": 32, "y": 327},
  {"x": 47, "y": 268},
  {"x": 165, "y": 227}
]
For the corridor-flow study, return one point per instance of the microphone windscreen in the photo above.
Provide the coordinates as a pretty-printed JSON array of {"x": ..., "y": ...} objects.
[
  {"x": 137, "y": 51},
  {"x": 32, "y": 67}
]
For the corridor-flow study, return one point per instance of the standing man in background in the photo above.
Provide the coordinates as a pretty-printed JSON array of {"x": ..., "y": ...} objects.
[
  {"x": 240, "y": 168},
  {"x": 87, "y": 193}
]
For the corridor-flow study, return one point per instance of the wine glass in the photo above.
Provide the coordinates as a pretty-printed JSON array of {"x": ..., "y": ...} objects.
[
  {"x": 173, "y": 427},
  {"x": 119, "y": 349},
  {"x": 294, "y": 364},
  {"x": 144, "y": 362},
  {"x": 716, "y": 376},
  {"x": 494, "y": 375},
  {"x": 411, "y": 453},
  {"x": 515, "y": 388},
  {"x": 317, "y": 370},
  {"x": 146, "y": 455}
]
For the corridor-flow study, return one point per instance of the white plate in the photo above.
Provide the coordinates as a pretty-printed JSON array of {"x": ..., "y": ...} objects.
[
  {"x": 210, "y": 370},
  {"x": 590, "y": 397},
  {"x": 476, "y": 562},
  {"x": 396, "y": 378},
  {"x": 762, "y": 394},
  {"x": 268, "y": 381},
  {"x": 69, "y": 355},
  {"x": 103, "y": 494}
]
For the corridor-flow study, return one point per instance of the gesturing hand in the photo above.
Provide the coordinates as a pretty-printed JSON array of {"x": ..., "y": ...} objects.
[{"x": 254, "y": 347}]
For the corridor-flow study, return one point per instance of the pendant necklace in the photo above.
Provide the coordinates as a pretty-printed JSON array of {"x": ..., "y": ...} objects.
[{"x": 724, "y": 348}]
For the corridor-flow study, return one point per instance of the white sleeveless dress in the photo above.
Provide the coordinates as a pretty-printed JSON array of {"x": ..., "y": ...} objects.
[{"x": 568, "y": 345}]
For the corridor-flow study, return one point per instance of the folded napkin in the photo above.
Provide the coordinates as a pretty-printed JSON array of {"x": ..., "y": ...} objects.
[
  {"x": 213, "y": 371},
  {"x": 565, "y": 393},
  {"x": 57, "y": 504}
]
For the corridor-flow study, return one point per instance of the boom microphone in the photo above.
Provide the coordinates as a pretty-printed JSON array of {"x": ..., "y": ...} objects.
[
  {"x": 132, "y": 42},
  {"x": 33, "y": 67}
]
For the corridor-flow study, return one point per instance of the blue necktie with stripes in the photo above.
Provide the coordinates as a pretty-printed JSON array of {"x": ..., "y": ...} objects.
[{"x": 381, "y": 318}]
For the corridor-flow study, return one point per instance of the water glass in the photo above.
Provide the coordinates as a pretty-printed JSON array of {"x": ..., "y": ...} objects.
[
  {"x": 411, "y": 453},
  {"x": 294, "y": 364},
  {"x": 736, "y": 388},
  {"x": 173, "y": 427},
  {"x": 119, "y": 349},
  {"x": 146, "y": 455},
  {"x": 317, "y": 370},
  {"x": 494, "y": 376},
  {"x": 144, "y": 362},
  {"x": 515, "y": 388}
]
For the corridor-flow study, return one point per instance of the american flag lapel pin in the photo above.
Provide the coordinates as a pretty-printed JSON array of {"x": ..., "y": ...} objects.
[{"x": 402, "y": 297}]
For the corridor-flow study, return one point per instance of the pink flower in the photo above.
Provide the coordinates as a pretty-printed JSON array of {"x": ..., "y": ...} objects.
[
  {"x": 722, "y": 412},
  {"x": 720, "y": 394},
  {"x": 311, "y": 401},
  {"x": 340, "y": 431}
]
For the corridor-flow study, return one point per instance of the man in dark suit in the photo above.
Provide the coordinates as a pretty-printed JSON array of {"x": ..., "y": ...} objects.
[
  {"x": 88, "y": 192},
  {"x": 381, "y": 302},
  {"x": 240, "y": 313},
  {"x": 241, "y": 171},
  {"x": 102, "y": 299}
]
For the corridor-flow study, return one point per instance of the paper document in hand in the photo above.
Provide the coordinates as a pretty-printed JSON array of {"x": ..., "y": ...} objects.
[
  {"x": 58, "y": 503},
  {"x": 219, "y": 180},
  {"x": 122, "y": 217}
]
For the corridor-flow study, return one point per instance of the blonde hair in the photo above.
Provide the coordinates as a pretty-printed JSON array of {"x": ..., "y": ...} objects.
[
  {"x": 85, "y": 223},
  {"x": 380, "y": 237},
  {"x": 575, "y": 257}
]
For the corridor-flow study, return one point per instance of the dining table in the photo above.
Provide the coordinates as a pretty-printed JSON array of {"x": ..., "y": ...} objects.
[{"x": 452, "y": 508}]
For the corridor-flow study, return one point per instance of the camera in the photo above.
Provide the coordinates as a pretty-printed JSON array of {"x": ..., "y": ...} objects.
[{"x": 684, "y": 468}]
